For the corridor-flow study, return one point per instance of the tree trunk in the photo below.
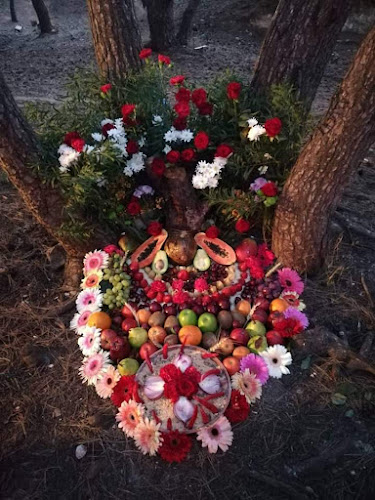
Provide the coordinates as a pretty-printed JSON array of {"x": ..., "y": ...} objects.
[
  {"x": 13, "y": 14},
  {"x": 161, "y": 23},
  {"x": 116, "y": 36},
  {"x": 43, "y": 16},
  {"x": 186, "y": 21},
  {"x": 299, "y": 44},
  {"x": 325, "y": 165}
]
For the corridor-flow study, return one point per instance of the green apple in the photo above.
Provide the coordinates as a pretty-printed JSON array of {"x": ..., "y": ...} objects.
[
  {"x": 256, "y": 328},
  {"x": 137, "y": 337},
  {"x": 187, "y": 317},
  {"x": 207, "y": 322},
  {"x": 128, "y": 366},
  {"x": 257, "y": 344}
]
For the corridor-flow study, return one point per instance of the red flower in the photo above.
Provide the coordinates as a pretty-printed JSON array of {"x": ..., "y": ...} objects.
[
  {"x": 242, "y": 226},
  {"x": 255, "y": 267},
  {"x": 188, "y": 155},
  {"x": 238, "y": 409},
  {"x": 186, "y": 386},
  {"x": 265, "y": 255},
  {"x": 179, "y": 123},
  {"x": 154, "y": 228},
  {"x": 199, "y": 97},
  {"x": 201, "y": 285},
  {"x": 205, "y": 109},
  {"x": 164, "y": 59},
  {"x": 133, "y": 208},
  {"x": 212, "y": 232},
  {"x": 179, "y": 384},
  {"x": 71, "y": 136},
  {"x": 124, "y": 390},
  {"x": 173, "y": 156},
  {"x": 169, "y": 372},
  {"x": 180, "y": 297},
  {"x": 233, "y": 90},
  {"x": 106, "y": 128},
  {"x": 183, "y": 95},
  {"x": 175, "y": 446},
  {"x": 106, "y": 88},
  {"x": 177, "y": 285},
  {"x": 111, "y": 249},
  {"x": 273, "y": 127},
  {"x": 201, "y": 140},
  {"x": 127, "y": 109},
  {"x": 132, "y": 147},
  {"x": 78, "y": 145},
  {"x": 158, "y": 286},
  {"x": 145, "y": 53},
  {"x": 177, "y": 80},
  {"x": 193, "y": 373},
  {"x": 288, "y": 327},
  {"x": 223, "y": 151},
  {"x": 158, "y": 167},
  {"x": 182, "y": 109},
  {"x": 269, "y": 189}
]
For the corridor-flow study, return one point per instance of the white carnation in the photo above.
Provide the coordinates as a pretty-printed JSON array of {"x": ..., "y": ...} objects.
[
  {"x": 252, "y": 122},
  {"x": 255, "y": 132}
]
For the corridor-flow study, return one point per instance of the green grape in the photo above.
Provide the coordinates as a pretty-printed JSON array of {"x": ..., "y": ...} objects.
[
  {"x": 123, "y": 275},
  {"x": 117, "y": 278},
  {"x": 111, "y": 306},
  {"x": 125, "y": 283}
]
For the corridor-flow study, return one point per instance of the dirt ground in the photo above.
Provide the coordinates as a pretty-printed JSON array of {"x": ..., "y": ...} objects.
[{"x": 297, "y": 442}]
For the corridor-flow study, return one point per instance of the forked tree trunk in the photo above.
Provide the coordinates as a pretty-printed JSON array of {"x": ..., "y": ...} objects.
[
  {"x": 161, "y": 23},
  {"x": 186, "y": 22},
  {"x": 13, "y": 14},
  {"x": 41, "y": 10},
  {"x": 299, "y": 44},
  {"x": 325, "y": 165},
  {"x": 116, "y": 36}
]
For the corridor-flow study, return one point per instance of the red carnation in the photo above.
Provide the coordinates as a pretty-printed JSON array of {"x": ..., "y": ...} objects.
[
  {"x": 125, "y": 389},
  {"x": 188, "y": 155},
  {"x": 269, "y": 189},
  {"x": 183, "y": 95},
  {"x": 127, "y": 109},
  {"x": 78, "y": 145},
  {"x": 265, "y": 255},
  {"x": 179, "y": 123},
  {"x": 132, "y": 147},
  {"x": 242, "y": 226},
  {"x": 182, "y": 109},
  {"x": 177, "y": 80},
  {"x": 175, "y": 446},
  {"x": 255, "y": 267},
  {"x": 199, "y": 97},
  {"x": 233, "y": 90},
  {"x": 154, "y": 228},
  {"x": 145, "y": 53},
  {"x": 106, "y": 127},
  {"x": 106, "y": 88},
  {"x": 288, "y": 327},
  {"x": 180, "y": 297},
  {"x": 173, "y": 156},
  {"x": 193, "y": 373},
  {"x": 158, "y": 286},
  {"x": 273, "y": 127},
  {"x": 177, "y": 285},
  {"x": 223, "y": 151},
  {"x": 71, "y": 136},
  {"x": 169, "y": 372},
  {"x": 133, "y": 208},
  {"x": 212, "y": 232},
  {"x": 158, "y": 167},
  {"x": 201, "y": 285},
  {"x": 238, "y": 409},
  {"x": 201, "y": 140},
  {"x": 164, "y": 59},
  {"x": 205, "y": 109}
]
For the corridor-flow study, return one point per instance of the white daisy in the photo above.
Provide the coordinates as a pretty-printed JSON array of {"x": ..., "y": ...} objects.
[
  {"x": 277, "y": 358},
  {"x": 171, "y": 135},
  {"x": 94, "y": 366},
  {"x": 90, "y": 299},
  {"x": 89, "y": 341}
]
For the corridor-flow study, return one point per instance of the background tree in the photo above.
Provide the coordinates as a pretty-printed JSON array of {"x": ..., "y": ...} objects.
[
  {"x": 116, "y": 36},
  {"x": 41, "y": 10},
  {"x": 325, "y": 165},
  {"x": 186, "y": 22},
  {"x": 13, "y": 14},
  {"x": 299, "y": 44}
]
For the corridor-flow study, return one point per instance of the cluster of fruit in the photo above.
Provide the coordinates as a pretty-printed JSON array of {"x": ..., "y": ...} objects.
[{"x": 116, "y": 283}]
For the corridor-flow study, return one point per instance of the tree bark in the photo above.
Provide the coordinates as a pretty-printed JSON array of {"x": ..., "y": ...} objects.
[
  {"x": 299, "y": 44},
  {"x": 41, "y": 10},
  {"x": 116, "y": 36},
  {"x": 327, "y": 161},
  {"x": 161, "y": 23},
  {"x": 186, "y": 21},
  {"x": 13, "y": 14}
]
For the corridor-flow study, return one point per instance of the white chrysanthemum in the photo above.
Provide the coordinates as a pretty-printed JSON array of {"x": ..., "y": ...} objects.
[
  {"x": 186, "y": 135},
  {"x": 94, "y": 366},
  {"x": 171, "y": 135},
  {"x": 128, "y": 171},
  {"x": 63, "y": 149},
  {"x": 119, "y": 124},
  {"x": 89, "y": 341},
  {"x": 90, "y": 299},
  {"x": 167, "y": 149},
  {"x": 156, "y": 119},
  {"x": 142, "y": 141},
  {"x": 277, "y": 358},
  {"x": 121, "y": 149},
  {"x": 212, "y": 182},
  {"x": 97, "y": 137},
  {"x": 255, "y": 132},
  {"x": 199, "y": 182},
  {"x": 106, "y": 121},
  {"x": 252, "y": 122},
  {"x": 68, "y": 157}
]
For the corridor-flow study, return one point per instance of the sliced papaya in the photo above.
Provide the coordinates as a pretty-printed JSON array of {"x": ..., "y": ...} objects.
[
  {"x": 217, "y": 249},
  {"x": 146, "y": 252}
]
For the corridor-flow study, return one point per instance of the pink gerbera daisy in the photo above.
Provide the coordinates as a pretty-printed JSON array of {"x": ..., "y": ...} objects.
[
  {"x": 290, "y": 280},
  {"x": 217, "y": 436},
  {"x": 294, "y": 313},
  {"x": 80, "y": 320},
  {"x": 107, "y": 382},
  {"x": 147, "y": 436},
  {"x": 130, "y": 415},
  {"x": 89, "y": 342},
  {"x": 256, "y": 365},
  {"x": 89, "y": 299},
  {"x": 248, "y": 385},
  {"x": 92, "y": 280},
  {"x": 94, "y": 261},
  {"x": 94, "y": 366}
]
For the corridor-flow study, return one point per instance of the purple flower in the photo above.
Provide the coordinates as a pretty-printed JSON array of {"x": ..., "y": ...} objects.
[
  {"x": 142, "y": 190},
  {"x": 256, "y": 365},
  {"x": 258, "y": 183},
  {"x": 294, "y": 313},
  {"x": 290, "y": 280}
]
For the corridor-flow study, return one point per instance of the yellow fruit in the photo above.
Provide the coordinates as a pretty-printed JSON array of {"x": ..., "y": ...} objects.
[
  {"x": 99, "y": 320},
  {"x": 279, "y": 305},
  {"x": 243, "y": 307},
  {"x": 190, "y": 335}
]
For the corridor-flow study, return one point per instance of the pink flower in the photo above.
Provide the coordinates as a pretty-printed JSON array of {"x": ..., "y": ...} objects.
[
  {"x": 80, "y": 320},
  {"x": 94, "y": 366},
  {"x": 129, "y": 416},
  {"x": 94, "y": 261},
  {"x": 290, "y": 280},
  {"x": 147, "y": 436},
  {"x": 177, "y": 285},
  {"x": 201, "y": 285},
  {"x": 111, "y": 249},
  {"x": 256, "y": 365},
  {"x": 217, "y": 436},
  {"x": 294, "y": 313},
  {"x": 107, "y": 382},
  {"x": 89, "y": 300}
]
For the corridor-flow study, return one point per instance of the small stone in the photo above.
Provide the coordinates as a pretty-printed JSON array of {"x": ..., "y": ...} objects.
[{"x": 81, "y": 451}]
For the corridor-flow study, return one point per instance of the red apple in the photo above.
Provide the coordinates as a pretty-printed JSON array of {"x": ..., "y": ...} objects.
[
  {"x": 239, "y": 336},
  {"x": 157, "y": 334},
  {"x": 128, "y": 323},
  {"x": 273, "y": 317},
  {"x": 247, "y": 248},
  {"x": 107, "y": 338},
  {"x": 262, "y": 303},
  {"x": 147, "y": 349},
  {"x": 120, "y": 349},
  {"x": 232, "y": 364},
  {"x": 259, "y": 315},
  {"x": 126, "y": 312},
  {"x": 273, "y": 337}
]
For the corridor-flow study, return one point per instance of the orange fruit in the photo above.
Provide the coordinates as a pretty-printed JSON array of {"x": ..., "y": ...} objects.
[
  {"x": 240, "y": 352},
  {"x": 279, "y": 305},
  {"x": 100, "y": 320},
  {"x": 143, "y": 315},
  {"x": 190, "y": 335},
  {"x": 243, "y": 307}
]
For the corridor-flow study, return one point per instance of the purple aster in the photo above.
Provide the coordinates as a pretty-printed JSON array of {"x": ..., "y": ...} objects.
[
  {"x": 294, "y": 313},
  {"x": 144, "y": 189},
  {"x": 256, "y": 365},
  {"x": 258, "y": 183}
]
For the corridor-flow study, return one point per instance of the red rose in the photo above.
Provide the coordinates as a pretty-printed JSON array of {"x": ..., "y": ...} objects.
[
  {"x": 233, "y": 90},
  {"x": 127, "y": 109},
  {"x": 201, "y": 140},
  {"x": 173, "y": 156},
  {"x": 182, "y": 109},
  {"x": 212, "y": 232},
  {"x": 164, "y": 59},
  {"x": 242, "y": 226},
  {"x": 187, "y": 155},
  {"x": 186, "y": 386},
  {"x": 183, "y": 95},
  {"x": 223, "y": 151},
  {"x": 154, "y": 228},
  {"x": 106, "y": 88},
  {"x": 132, "y": 147},
  {"x": 145, "y": 53},
  {"x": 177, "y": 80},
  {"x": 269, "y": 189},
  {"x": 179, "y": 123},
  {"x": 133, "y": 208},
  {"x": 273, "y": 127},
  {"x": 71, "y": 136},
  {"x": 205, "y": 109},
  {"x": 106, "y": 128},
  {"x": 158, "y": 167},
  {"x": 199, "y": 97},
  {"x": 78, "y": 144}
]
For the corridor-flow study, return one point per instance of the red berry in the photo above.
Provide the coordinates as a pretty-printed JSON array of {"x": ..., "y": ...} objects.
[
  {"x": 134, "y": 266},
  {"x": 167, "y": 298},
  {"x": 159, "y": 297},
  {"x": 144, "y": 283},
  {"x": 138, "y": 276},
  {"x": 206, "y": 299},
  {"x": 151, "y": 294},
  {"x": 227, "y": 292},
  {"x": 215, "y": 296},
  {"x": 183, "y": 275}
]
